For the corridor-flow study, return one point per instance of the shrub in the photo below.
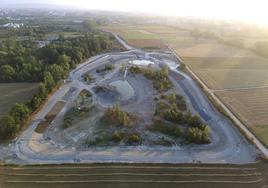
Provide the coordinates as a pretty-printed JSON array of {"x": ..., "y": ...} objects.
[
  {"x": 160, "y": 79},
  {"x": 134, "y": 139},
  {"x": 106, "y": 68},
  {"x": 198, "y": 136},
  {"x": 117, "y": 137},
  {"x": 114, "y": 116},
  {"x": 165, "y": 128},
  {"x": 177, "y": 99},
  {"x": 194, "y": 121},
  {"x": 8, "y": 127}
]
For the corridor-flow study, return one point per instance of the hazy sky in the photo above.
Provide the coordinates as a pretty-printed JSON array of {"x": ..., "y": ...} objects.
[{"x": 243, "y": 10}]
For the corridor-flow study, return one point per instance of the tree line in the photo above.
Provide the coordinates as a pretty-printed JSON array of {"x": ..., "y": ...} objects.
[{"x": 23, "y": 61}]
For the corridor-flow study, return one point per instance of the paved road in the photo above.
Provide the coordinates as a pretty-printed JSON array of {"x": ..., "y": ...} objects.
[{"x": 228, "y": 145}]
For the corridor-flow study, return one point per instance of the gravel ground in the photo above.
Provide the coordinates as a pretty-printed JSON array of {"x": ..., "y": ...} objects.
[{"x": 228, "y": 145}]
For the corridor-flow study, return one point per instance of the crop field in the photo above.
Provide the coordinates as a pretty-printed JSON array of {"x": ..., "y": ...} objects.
[
  {"x": 138, "y": 37},
  {"x": 226, "y": 73},
  {"x": 12, "y": 93},
  {"x": 242, "y": 84},
  {"x": 180, "y": 40},
  {"x": 141, "y": 175},
  {"x": 211, "y": 49},
  {"x": 251, "y": 106}
]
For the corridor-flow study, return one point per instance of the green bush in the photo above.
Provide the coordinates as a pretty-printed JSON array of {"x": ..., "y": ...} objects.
[
  {"x": 177, "y": 99},
  {"x": 106, "y": 68},
  {"x": 115, "y": 117},
  {"x": 198, "y": 136},
  {"x": 165, "y": 128},
  {"x": 134, "y": 139},
  {"x": 194, "y": 121},
  {"x": 160, "y": 79},
  {"x": 8, "y": 127},
  {"x": 117, "y": 137}
]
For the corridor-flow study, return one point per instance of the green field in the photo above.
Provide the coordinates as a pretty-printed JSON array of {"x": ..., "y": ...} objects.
[
  {"x": 12, "y": 93},
  {"x": 137, "y": 36},
  {"x": 138, "y": 175}
]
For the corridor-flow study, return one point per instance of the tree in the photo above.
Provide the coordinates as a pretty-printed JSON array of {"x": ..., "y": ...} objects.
[
  {"x": 43, "y": 92},
  {"x": 90, "y": 26},
  {"x": 7, "y": 73},
  {"x": 64, "y": 61},
  {"x": 8, "y": 127},
  {"x": 134, "y": 139},
  {"x": 115, "y": 117},
  {"x": 48, "y": 81},
  {"x": 165, "y": 71},
  {"x": 56, "y": 71},
  {"x": 195, "y": 121},
  {"x": 20, "y": 113},
  {"x": 77, "y": 54},
  {"x": 197, "y": 135},
  {"x": 35, "y": 102}
]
